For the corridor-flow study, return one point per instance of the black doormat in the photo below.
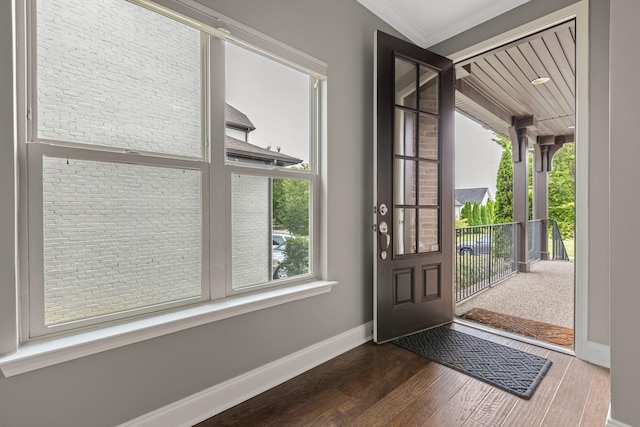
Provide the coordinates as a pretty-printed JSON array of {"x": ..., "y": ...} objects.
[{"x": 504, "y": 367}]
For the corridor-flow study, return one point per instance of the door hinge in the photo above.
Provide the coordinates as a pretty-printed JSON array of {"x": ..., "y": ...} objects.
[
  {"x": 375, "y": 210},
  {"x": 375, "y": 228}
]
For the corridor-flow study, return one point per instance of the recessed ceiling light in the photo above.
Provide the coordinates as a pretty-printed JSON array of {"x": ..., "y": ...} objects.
[
  {"x": 572, "y": 127},
  {"x": 540, "y": 80}
]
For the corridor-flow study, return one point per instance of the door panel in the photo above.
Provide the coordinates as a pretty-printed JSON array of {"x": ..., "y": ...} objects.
[{"x": 413, "y": 189}]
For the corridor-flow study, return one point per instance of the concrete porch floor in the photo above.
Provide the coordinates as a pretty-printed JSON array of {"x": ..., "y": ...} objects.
[{"x": 546, "y": 294}]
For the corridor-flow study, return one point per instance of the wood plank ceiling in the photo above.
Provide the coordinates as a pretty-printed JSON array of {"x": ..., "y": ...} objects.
[{"x": 494, "y": 87}]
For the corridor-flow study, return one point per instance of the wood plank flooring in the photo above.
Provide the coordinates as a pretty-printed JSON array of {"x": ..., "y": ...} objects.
[{"x": 384, "y": 385}]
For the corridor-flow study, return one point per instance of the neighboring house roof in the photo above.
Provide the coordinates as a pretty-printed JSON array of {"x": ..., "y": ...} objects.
[
  {"x": 472, "y": 195},
  {"x": 238, "y": 148},
  {"x": 238, "y": 120}
]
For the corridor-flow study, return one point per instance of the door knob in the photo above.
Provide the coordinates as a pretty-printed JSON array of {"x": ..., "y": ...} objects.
[{"x": 383, "y": 239}]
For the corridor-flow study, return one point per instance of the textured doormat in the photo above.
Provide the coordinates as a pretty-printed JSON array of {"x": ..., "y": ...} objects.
[
  {"x": 529, "y": 328},
  {"x": 504, "y": 367}
]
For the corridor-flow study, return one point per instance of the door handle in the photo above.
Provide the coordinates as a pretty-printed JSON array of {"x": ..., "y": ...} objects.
[{"x": 384, "y": 239}]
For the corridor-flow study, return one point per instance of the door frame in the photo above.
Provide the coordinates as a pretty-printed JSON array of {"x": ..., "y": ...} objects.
[{"x": 580, "y": 12}]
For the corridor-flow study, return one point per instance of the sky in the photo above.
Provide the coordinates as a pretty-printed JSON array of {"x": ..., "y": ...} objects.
[
  {"x": 477, "y": 156},
  {"x": 274, "y": 97}
]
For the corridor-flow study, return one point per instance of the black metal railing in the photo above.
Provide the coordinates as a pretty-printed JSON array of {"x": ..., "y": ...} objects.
[
  {"x": 485, "y": 255},
  {"x": 559, "y": 251},
  {"x": 534, "y": 233}
]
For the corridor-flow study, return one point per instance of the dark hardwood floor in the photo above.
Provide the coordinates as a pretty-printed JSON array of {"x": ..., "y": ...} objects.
[{"x": 384, "y": 385}]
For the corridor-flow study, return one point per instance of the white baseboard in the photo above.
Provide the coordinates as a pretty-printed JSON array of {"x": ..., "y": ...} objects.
[
  {"x": 598, "y": 354},
  {"x": 207, "y": 403}
]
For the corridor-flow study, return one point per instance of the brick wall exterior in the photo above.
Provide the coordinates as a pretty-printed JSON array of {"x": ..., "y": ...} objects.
[
  {"x": 118, "y": 236},
  {"x": 250, "y": 205},
  {"x": 112, "y": 73}
]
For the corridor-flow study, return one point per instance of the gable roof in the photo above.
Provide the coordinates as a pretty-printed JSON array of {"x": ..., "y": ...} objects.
[
  {"x": 472, "y": 195},
  {"x": 237, "y": 119},
  {"x": 241, "y": 149}
]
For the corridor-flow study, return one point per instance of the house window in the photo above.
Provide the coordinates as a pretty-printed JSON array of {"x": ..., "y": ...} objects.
[
  {"x": 272, "y": 168},
  {"x": 121, "y": 154}
]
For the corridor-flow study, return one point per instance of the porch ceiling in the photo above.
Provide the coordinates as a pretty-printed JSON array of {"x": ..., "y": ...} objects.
[{"x": 495, "y": 86}]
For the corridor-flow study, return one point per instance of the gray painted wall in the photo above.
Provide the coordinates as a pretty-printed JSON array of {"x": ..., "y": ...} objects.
[
  {"x": 7, "y": 182},
  {"x": 115, "y": 386},
  {"x": 598, "y": 135},
  {"x": 625, "y": 152}
]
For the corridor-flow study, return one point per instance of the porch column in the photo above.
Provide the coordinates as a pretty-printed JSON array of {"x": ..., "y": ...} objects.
[
  {"x": 544, "y": 150},
  {"x": 519, "y": 135}
]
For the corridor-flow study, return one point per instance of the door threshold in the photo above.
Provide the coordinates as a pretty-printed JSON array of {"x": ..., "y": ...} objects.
[{"x": 516, "y": 337}]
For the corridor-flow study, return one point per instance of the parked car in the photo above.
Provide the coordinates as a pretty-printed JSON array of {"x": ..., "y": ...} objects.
[
  {"x": 478, "y": 247},
  {"x": 277, "y": 258},
  {"x": 279, "y": 238}
]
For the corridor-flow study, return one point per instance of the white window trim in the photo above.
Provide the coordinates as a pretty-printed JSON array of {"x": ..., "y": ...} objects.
[
  {"x": 35, "y": 154},
  {"x": 40, "y": 354},
  {"x": 58, "y": 349}
]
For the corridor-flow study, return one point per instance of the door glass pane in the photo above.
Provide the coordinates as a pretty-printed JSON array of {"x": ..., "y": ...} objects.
[
  {"x": 404, "y": 231},
  {"x": 115, "y": 74},
  {"x": 405, "y": 83},
  {"x": 428, "y": 137},
  {"x": 428, "y": 183},
  {"x": 428, "y": 234},
  {"x": 404, "y": 133},
  {"x": 429, "y": 90},
  {"x": 118, "y": 237},
  {"x": 404, "y": 182}
]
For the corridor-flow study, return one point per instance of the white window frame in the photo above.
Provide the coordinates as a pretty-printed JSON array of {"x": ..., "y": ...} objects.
[
  {"x": 215, "y": 172},
  {"x": 312, "y": 179}
]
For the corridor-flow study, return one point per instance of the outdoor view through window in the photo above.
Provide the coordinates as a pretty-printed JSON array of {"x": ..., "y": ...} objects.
[{"x": 268, "y": 124}]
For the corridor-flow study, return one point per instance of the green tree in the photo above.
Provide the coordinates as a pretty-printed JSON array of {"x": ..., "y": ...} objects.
[
  {"x": 278, "y": 203},
  {"x": 503, "y": 209},
  {"x": 483, "y": 215},
  {"x": 490, "y": 211},
  {"x": 296, "y": 256},
  {"x": 465, "y": 212},
  {"x": 476, "y": 218},
  {"x": 562, "y": 190},
  {"x": 290, "y": 198}
]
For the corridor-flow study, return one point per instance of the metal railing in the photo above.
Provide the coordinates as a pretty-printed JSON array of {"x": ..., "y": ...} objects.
[
  {"x": 559, "y": 251},
  {"x": 534, "y": 232},
  {"x": 485, "y": 255}
]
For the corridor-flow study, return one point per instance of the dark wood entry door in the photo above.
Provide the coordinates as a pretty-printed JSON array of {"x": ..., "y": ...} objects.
[{"x": 413, "y": 189}]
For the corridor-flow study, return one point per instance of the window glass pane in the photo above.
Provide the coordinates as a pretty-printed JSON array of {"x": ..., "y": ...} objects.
[
  {"x": 405, "y": 133},
  {"x": 429, "y": 94},
  {"x": 405, "y": 90},
  {"x": 264, "y": 247},
  {"x": 268, "y": 110},
  {"x": 428, "y": 137},
  {"x": 404, "y": 182},
  {"x": 118, "y": 236},
  {"x": 250, "y": 238},
  {"x": 428, "y": 183},
  {"x": 404, "y": 231},
  {"x": 428, "y": 234},
  {"x": 113, "y": 73}
]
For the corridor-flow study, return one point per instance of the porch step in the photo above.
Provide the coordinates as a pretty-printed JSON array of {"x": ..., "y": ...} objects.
[{"x": 538, "y": 330}]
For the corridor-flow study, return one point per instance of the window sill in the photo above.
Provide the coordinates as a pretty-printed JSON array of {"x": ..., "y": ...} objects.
[{"x": 36, "y": 355}]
